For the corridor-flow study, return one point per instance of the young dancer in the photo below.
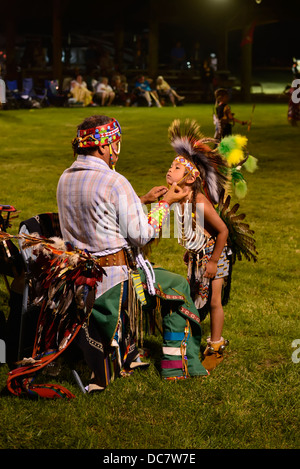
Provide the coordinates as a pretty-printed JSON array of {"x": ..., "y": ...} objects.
[
  {"x": 223, "y": 116},
  {"x": 201, "y": 230}
]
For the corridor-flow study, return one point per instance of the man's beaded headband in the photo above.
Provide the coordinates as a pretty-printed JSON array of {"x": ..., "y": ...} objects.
[
  {"x": 191, "y": 168},
  {"x": 101, "y": 135}
]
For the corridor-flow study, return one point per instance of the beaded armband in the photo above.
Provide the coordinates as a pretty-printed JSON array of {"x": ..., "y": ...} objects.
[{"x": 158, "y": 216}]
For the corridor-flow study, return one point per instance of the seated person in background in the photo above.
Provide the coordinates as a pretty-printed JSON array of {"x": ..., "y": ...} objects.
[
  {"x": 164, "y": 89},
  {"x": 104, "y": 94},
  {"x": 144, "y": 89},
  {"x": 120, "y": 88},
  {"x": 79, "y": 92}
]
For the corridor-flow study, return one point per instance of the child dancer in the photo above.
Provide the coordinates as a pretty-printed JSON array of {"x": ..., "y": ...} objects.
[
  {"x": 201, "y": 229},
  {"x": 223, "y": 116}
]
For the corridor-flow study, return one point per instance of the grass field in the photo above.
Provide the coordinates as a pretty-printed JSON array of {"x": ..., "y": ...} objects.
[{"x": 251, "y": 401}]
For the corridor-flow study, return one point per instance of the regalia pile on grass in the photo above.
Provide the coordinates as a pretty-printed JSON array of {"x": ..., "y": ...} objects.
[{"x": 250, "y": 400}]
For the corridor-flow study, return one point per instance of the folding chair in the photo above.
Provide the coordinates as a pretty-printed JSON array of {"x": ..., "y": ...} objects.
[
  {"x": 13, "y": 96},
  {"x": 34, "y": 95},
  {"x": 12, "y": 88},
  {"x": 53, "y": 94},
  {"x": 41, "y": 96},
  {"x": 27, "y": 91}
]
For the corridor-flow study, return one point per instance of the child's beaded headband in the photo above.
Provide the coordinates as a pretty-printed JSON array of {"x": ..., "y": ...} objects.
[
  {"x": 101, "y": 135},
  {"x": 189, "y": 165}
]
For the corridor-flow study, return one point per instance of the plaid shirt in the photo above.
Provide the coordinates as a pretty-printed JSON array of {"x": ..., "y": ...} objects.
[{"x": 99, "y": 211}]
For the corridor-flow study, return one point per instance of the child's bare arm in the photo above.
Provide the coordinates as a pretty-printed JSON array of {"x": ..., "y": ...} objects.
[
  {"x": 240, "y": 122},
  {"x": 230, "y": 117},
  {"x": 217, "y": 228}
]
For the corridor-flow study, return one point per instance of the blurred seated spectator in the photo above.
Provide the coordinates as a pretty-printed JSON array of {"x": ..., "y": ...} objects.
[
  {"x": 120, "y": 88},
  {"x": 164, "y": 90},
  {"x": 143, "y": 89},
  {"x": 80, "y": 93},
  {"x": 104, "y": 94},
  {"x": 54, "y": 95},
  {"x": 66, "y": 84}
]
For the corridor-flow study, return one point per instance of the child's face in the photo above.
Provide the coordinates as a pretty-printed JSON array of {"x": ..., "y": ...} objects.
[{"x": 175, "y": 173}]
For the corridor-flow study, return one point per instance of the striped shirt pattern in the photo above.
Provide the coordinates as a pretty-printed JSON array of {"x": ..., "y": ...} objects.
[{"x": 100, "y": 211}]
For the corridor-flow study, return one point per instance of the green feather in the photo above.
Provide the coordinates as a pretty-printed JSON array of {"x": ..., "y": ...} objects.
[
  {"x": 250, "y": 164},
  {"x": 226, "y": 145},
  {"x": 240, "y": 189},
  {"x": 236, "y": 176}
]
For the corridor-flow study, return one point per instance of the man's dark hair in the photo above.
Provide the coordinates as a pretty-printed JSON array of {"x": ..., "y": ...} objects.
[{"x": 90, "y": 123}]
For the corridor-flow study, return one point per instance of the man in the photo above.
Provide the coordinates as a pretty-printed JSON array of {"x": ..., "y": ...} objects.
[{"x": 99, "y": 211}]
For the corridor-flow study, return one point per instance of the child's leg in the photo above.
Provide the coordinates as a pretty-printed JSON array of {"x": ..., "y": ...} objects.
[
  {"x": 213, "y": 354},
  {"x": 216, "y": 310}
]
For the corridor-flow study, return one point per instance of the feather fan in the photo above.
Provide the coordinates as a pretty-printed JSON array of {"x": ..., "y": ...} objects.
[{"x": 240, "y": 238}]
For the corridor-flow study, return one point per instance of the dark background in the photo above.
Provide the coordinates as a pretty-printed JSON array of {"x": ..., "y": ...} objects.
[
  {"x": 154, "y": 24},
  {"x": 275, "y": 42}
]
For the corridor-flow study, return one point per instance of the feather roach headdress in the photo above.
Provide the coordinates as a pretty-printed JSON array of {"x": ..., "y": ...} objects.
[
  {"x": 233, "y": 149},
  {"x": 188, "y": 142}
]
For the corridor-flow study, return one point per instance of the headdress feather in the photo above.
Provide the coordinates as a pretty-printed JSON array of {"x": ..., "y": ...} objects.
[
  {"x": 187, "y": 140},
  {"x": 233, "y": 149}
]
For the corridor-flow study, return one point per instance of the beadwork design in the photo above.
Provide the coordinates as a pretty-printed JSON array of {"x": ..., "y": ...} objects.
[
  {"x": 158, "y": 216},
  {"x": 192, "y": 169},
  {"x": 102, "y": 135}
]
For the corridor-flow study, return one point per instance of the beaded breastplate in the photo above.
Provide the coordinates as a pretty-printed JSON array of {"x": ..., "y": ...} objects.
[{"x": 190, "y": 237}]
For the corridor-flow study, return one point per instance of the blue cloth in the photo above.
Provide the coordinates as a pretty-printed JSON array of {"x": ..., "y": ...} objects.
[{"x": 145, "y": 86}]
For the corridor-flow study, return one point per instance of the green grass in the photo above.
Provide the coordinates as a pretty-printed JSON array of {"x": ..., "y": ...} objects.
[{"x": 252, "y": 399}]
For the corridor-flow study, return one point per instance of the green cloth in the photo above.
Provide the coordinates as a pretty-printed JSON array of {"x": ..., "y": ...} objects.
[
  {"x": 106, "y": 311},
  {"x": 176, "y": 307}
]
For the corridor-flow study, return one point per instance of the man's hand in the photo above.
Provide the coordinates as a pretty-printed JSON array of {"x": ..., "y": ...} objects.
[
  {"x": 153, "y": 194},
  {"x": 176, "y": 194}
]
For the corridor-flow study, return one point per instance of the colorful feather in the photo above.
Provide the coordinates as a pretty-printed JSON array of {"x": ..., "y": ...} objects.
[
  {"x": 250, "y": 164},
  {"x": 240, "y": 238}
]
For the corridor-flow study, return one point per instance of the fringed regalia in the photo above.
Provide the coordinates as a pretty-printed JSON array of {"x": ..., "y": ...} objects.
[
  {"x": 65, "y": 293},
  {"x": 65, "y": 289}
]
